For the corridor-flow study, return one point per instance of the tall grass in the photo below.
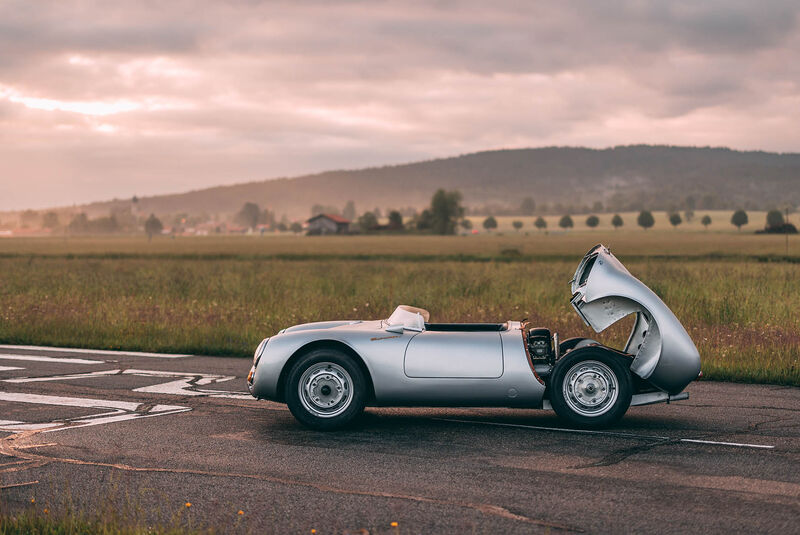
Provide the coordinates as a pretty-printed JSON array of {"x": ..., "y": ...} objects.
[{"x": 741, "y": 315}]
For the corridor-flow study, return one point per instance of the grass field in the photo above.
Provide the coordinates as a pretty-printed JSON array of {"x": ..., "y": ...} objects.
[
  {"x": 222, "y": 295},
  {"x": 561, "y": 245}
]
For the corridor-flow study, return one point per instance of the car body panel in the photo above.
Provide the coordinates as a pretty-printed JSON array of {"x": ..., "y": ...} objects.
[{"x": 478, "y": 355}]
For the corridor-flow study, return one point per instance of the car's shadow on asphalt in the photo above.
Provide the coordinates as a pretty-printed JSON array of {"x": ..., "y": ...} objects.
[{"x": 457, "y": 428}]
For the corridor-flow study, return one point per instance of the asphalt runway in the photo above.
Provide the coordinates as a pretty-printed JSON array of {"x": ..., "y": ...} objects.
[{"x": 154, "y": 432}]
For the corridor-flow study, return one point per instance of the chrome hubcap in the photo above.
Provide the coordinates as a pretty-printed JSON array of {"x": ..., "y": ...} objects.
[
  {"x": 325, "y": 389},
  {"x": 590, "y": 388}
]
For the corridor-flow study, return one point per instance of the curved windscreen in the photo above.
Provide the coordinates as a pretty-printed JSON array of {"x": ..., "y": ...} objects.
[{"x": 409, "y": 317}]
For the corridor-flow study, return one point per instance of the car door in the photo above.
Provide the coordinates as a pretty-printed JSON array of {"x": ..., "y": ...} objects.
[{"x": 457, "y": 355}]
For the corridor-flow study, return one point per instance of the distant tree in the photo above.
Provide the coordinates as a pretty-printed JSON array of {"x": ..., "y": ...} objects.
[
  {"x": 592, "y": 221},
  {"x": 774, "y": 218},
  {"x": 50, "y": 220},
  {"x": 565, "y": 222},
  {"x": 445, "y": 211},
  {"x": 349, "y": 211},
  {"x": 282, "y": 226},
  {"x": 706, "y": 221},
  {"x": 296, "y": 227},
  {"x": 617, "y": 221},
  {"x": 29, "y": 217},
  {"x": 540, "y": 223},
  {"x": 152, "y": 226},
  {"x": 79, "y": 224},
  {"x": 466, "y": 224},
  {"x": 124, "y": 216},
  {"x": 688, "y": 215},
  {"x": 367, "y": 221},
  {"x": 395, "y": 220},
  {"x": 528, "y": 206},
  {"x": 675, "y": 219},
  {"x": 597, "y": 206},
  {"x": 424, "y": 220},
  {"x": 517, "y": 225},
  {"x": 267, "y": 217},
  {"x": 104, "y": 225},
  {"x": 739, "y": 219},
  {"x": 490, "y": 223},
  {"x": 645, "y": 219},
  {"x": 248, "y": 215}
]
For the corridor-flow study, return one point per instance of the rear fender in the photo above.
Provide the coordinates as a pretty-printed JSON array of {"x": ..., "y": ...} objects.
[{"x": 604, "y": 292}]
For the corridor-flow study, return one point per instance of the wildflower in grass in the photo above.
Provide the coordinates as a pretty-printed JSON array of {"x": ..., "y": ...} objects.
[
  {"x": 33, "y": 500},
  {"x": 46, "y": 511},
  {"x": 188, "y": 504},
  {"x": 393, "y": 524},
  {"x": 240, "y": 512}
]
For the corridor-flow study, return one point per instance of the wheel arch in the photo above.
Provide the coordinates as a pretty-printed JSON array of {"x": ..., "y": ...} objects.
[
  {"x": 639, "y": 385},
  {"x": 323, "y": 344},
  {"x": 623, "y": 357}
]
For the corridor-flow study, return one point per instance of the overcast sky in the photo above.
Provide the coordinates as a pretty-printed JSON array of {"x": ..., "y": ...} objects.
[{"x": 111, "y": 99}]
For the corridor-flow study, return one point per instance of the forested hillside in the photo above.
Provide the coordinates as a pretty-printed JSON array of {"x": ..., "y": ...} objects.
[{"x": 557, "y": 178}]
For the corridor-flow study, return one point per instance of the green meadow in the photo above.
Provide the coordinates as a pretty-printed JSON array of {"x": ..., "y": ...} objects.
[{"x": 737, "y": 294}]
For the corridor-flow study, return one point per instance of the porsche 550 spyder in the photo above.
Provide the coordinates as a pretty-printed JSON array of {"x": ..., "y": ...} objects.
[{"x": 327, "y": 372}]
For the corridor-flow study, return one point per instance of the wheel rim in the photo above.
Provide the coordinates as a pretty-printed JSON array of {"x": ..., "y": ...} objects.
[
  {"x": 325, "y": 389},
  {"x": 590, "y": 388}
]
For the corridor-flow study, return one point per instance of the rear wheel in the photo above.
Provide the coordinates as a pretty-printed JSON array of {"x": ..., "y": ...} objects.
[
  {"x": 326, "y": 389},
  {"x": 591, "y": 388}
]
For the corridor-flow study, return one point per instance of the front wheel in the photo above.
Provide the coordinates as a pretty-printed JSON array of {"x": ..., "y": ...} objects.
[
  {"x": 591, "y": 388},
  {"x": 326, "y": 389}
]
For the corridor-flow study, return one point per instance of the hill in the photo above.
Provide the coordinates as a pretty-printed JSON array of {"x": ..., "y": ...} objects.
[{"x": 565, "y": 178}]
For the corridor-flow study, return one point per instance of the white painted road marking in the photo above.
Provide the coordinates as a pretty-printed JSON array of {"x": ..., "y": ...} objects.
[
  {"x": 187, "y": 385},
  {"x": 42, "y": 399},
  {"x": 123, "y": 410},
  {"x": 60, "y": 377},
  {"x": 734, "y": 444},
  {"x": 9, "y": 368},
  {"x": 39, "y": 358},
  {"x": 99, "y": 351},
  {"x": 607, "y": 433}
]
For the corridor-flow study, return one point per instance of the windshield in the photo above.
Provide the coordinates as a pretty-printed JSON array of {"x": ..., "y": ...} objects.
[{"x": 409, "y": 317}]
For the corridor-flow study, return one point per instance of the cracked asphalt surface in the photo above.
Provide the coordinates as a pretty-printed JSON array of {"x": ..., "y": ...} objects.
[{"x": 199, "y": 440}]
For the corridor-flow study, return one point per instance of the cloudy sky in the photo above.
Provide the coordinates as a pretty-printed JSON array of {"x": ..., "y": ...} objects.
[{"x": 111, "y": 99}]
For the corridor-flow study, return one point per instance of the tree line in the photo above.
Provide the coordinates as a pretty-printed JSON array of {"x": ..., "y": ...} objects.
[{"x": 444, "y": 215}]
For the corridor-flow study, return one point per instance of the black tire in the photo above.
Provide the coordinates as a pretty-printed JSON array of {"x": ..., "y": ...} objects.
[
  {"x": 322, "y": 372},
  {"x": 583, "y": 391}
]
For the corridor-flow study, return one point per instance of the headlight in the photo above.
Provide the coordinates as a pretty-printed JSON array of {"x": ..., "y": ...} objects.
[{"x": 259, "y": 349}]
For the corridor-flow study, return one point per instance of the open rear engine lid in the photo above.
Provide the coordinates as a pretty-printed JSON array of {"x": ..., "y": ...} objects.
[{"x": 604, "y": 292}]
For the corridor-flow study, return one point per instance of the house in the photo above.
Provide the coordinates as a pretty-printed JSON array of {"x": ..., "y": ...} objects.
[{"x": 328, "y": 224}]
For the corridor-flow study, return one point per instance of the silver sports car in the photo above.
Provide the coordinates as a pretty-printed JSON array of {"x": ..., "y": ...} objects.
[{"x": 327, "y": 372}]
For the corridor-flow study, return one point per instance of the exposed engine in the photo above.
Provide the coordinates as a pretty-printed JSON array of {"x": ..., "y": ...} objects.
[{"x": 540, "y": 346}]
